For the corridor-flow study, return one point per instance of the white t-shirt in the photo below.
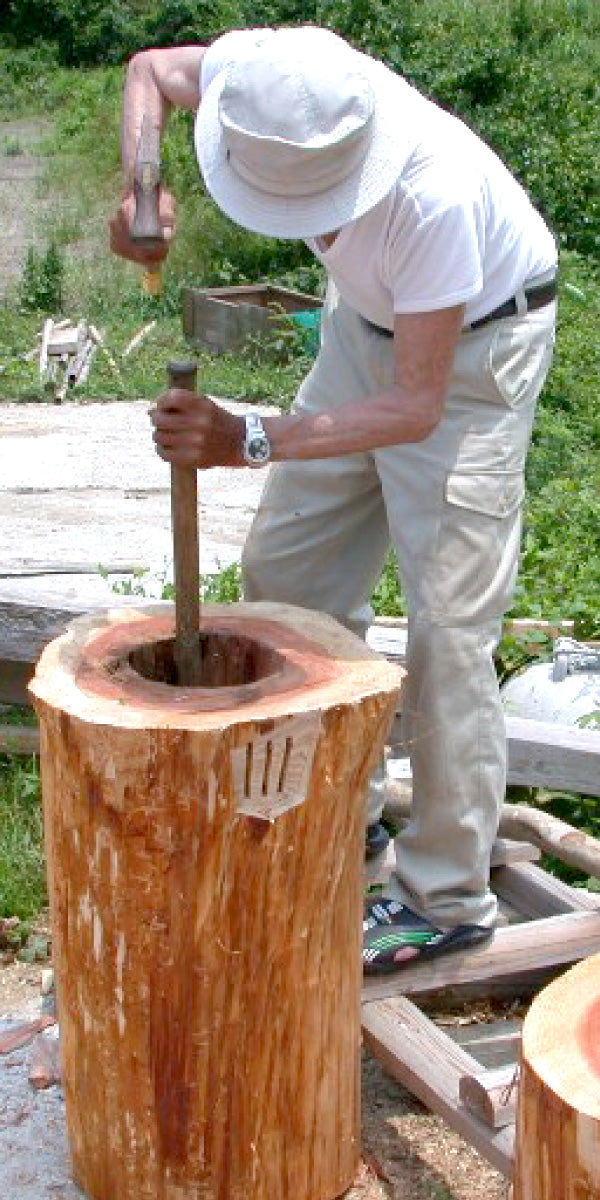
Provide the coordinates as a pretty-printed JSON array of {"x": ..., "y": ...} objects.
[{"x": 457, "y": 228}]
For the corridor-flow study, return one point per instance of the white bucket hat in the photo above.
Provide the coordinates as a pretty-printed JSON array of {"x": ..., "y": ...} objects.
[{"x": 301, "y": 134}]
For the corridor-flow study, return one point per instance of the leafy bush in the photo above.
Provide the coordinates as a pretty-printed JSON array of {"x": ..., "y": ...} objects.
[{"x": 42, "y": 283}]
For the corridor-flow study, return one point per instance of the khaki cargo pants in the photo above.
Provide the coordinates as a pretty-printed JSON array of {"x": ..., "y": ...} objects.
[{"x": 451, "y": 506}]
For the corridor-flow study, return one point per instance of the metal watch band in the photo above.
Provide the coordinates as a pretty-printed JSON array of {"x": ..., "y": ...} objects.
[{"x": 256, "y": 448}]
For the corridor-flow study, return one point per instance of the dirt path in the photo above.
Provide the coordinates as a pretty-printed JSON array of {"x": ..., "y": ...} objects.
[{"x": 21, "y": 202}]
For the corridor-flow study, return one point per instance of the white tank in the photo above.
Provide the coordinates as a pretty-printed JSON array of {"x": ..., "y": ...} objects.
[{"x": 562, "y": 691}]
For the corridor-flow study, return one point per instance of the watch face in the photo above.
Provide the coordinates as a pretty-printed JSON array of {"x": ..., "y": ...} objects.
[{"x": 258, "y": 448}]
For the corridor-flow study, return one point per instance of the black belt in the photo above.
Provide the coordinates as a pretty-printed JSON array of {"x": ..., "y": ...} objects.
[{"x": 535, "y": 297}]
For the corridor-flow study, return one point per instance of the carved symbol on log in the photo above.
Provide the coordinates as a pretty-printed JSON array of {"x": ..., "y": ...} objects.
[{"x": 271, "y": 772}]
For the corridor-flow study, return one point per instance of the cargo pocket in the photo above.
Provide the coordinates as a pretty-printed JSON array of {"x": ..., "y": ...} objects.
[
  {"x": 478, "y": 545},
  {"x": 492, "y": 493}
]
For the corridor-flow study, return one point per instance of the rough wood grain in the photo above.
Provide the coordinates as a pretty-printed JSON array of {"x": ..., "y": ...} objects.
[
  {"x": 207, "y": 962},
  {"x": 558, "y": 1118},
  {"x": 426, "y": 1061},
  {"x": 491, "y": 1095}
]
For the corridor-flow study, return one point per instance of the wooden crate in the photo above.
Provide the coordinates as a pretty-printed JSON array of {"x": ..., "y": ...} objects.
[{"x": 222, "y": 319}]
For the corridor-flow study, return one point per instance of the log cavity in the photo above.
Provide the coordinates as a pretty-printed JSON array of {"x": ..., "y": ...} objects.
[{"x": 228, "y": 660}]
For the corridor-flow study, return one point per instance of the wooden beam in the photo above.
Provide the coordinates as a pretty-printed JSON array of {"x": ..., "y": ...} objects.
[
  {"x": 491, "y": 1043},
  {"x": 509, "y": 850},
  {"x": 514, "y": 956},
  {"x": 535, "y": 893},
  {"x": 492, "y": 1095},
  {"x": 19, "y": 739},
  {"x": 541, "y": 754},
  {"x": 571, "y": 845},
  {"x": 26, "y": 628},
  {"x": 427, "y": 1062},
  {"x": 14, "y": 678}
]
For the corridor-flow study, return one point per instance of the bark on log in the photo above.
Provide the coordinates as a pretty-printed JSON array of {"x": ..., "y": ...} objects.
[
  {"x": 207, "y": 950},
  {"x": 558, "y": 1115}
]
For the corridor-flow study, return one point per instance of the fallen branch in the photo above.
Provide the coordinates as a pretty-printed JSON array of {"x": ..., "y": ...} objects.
[
  {"x": 46, "y": 333},
  {"x": 138, "y": 339},
  {"x": 99, "y": 340},
  {"x": 20, "y": 1035}
]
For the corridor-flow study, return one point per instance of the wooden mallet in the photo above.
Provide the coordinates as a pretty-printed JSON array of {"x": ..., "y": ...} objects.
[{"x": 186, "y": 551}]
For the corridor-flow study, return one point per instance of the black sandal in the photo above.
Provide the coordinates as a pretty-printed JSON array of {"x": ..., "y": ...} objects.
[{"x": 393, "y": 935}]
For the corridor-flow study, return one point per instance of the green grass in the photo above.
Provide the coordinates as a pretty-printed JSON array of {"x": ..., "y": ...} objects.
[
  {"x": 254, "y": 377},
  {"x": 22, "y": 872}
]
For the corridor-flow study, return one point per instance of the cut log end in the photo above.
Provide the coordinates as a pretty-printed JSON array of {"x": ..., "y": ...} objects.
[
  {"x": 558, "y": 1123},
  {"x": 124, "y": 664}
]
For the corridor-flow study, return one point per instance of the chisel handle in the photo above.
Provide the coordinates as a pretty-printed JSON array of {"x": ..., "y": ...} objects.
[{"x": 186, "y": 551}]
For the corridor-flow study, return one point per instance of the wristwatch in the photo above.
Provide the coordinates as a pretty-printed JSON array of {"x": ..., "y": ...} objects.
[{"x": 256, "y": 448}]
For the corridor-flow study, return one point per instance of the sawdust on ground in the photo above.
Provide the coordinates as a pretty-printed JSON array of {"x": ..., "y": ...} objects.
[{"x": 408, "y": 1154}]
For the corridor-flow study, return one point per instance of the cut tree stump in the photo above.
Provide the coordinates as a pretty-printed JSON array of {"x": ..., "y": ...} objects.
[
  {"x": 558, "y": 1116},
  {"x": 205, "y": 850}
]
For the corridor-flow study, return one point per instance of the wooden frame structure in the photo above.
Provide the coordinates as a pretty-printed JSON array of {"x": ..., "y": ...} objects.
[{"x": 550, "y": 925}]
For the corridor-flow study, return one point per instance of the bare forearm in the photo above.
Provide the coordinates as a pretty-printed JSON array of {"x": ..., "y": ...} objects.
[
  {"x": 384, "y": 420},
  {"x": 155, "y": 81},
  {"x": 141, "y": 99}
]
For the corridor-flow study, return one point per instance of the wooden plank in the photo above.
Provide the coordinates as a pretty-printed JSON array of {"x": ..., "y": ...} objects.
[
  {"x": 26, "y": 628},
  {"x": 492, "y": 1043},
  {"x": 513, "y": 957},
  {"x": 492, "y": 1095},
  {"x": 19, "y": 739},
  {"x": 537, "y": 894},
  {"x": 541, "y": 754},
  {"x": 508, "y": 850},
  {"x": 426, "y": 1061},
  {"x": 14, "y": 677},
  {"x": 516, "y": 625},
  {"x": 26, "y": 570}
]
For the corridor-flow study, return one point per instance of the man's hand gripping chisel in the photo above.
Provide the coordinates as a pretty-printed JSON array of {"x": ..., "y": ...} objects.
[{"x": 146, "y": 228}]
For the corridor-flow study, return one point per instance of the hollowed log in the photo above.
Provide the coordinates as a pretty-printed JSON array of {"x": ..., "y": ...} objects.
[
  {"x": 558, "y": 1114},
  {"x": 205, "y": 850}
]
